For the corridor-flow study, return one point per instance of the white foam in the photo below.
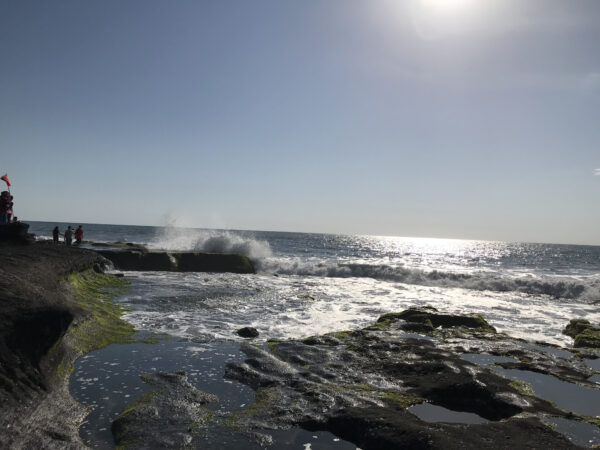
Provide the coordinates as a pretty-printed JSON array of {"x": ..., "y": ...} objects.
[
  {"x": 208, "y": 306},
  {"x": 586, "y": 288},
  {"x": 211, "y": 241}
]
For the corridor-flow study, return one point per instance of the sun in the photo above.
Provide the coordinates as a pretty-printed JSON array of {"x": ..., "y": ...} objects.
[{"x": 447, "y": 6}]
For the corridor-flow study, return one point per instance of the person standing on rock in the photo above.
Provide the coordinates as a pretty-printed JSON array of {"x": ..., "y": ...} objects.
[
  {"x": 4, "y": 200},
  {"x": 55, "y": 234},
  {"x": 78, "y": 235},
  {"x": 68, "y": 235},
  {"x": 9, "y": 210}
]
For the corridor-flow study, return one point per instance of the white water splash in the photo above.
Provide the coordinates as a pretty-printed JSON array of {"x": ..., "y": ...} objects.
[
  {"x": 213, "y": 306},
  {"x": 212, "y": 241},
  {"x": 585, "y": 288}
]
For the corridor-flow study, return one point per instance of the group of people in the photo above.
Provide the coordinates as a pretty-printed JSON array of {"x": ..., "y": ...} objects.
[
  {"x": 6, "y": 208},
  {"x": 68, "y": 235}
]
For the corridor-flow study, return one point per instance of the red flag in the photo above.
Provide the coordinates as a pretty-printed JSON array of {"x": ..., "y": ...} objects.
[{"x": 5, "y": 178}]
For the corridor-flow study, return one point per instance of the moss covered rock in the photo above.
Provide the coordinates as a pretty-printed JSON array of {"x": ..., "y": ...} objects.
[
  {"x": 103, "y": 325},
  {"x": 584, "y": 333},
  {"x": 427, "y": 319},
  {"x": 360, "y": 385},
  {"x": 588, "y": 338},
  {"x": 54, "y": 307}
]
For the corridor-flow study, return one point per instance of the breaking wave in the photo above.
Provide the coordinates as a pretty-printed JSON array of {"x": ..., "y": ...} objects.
[
  {"x": 481, "y": 281},
  {"x": 210, "y": 241}
]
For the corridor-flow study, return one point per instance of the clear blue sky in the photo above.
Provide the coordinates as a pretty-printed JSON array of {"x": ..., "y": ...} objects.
[{"x": 441, "y": 118}]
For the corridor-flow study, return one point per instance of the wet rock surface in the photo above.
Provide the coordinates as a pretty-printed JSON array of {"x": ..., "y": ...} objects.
[
  {"x": 248, "y": 332},
  {"x": 36, "y": 410},
  {"x": 168, "y": 417},
  {"x": 140, "y": 258},
  {"x": 359, "y": 384}
]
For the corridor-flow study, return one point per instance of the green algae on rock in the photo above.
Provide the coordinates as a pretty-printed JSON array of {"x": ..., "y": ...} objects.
[
  {"x": 584, "y": 333},
  {"x": 265, "y": 399},
  {"x": 101, "y": 323},
  {"x": 428, "y": 318},
  {"x": 38, "y": 314},
  {"x": 523, "y": 387},
  {"x": 590, "y": 338},
  {"x": 359, "y": 385}
]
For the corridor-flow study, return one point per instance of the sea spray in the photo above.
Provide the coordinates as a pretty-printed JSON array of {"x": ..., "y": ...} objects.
[{"x": 210, "y": 241}]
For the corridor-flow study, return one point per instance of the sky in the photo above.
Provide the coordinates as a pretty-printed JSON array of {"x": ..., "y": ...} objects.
[{"x": 432, "y": 118}]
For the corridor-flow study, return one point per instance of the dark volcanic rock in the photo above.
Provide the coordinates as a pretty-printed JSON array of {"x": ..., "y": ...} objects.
[
  {"x": 248, "y": 332},
  {"x": 359, "y": 384},
  {"x": 180, "y": 262},
  {"x": 168, "y": 417},
  {"x": 378, "y": 428},
  {"x": 430, "y": 318},
  {"x": 118, "y": 245},
  {"x": 15, "y": 233},
  {"x": 213, "y": 262},
  {"x": 139, "y": 260},
  {"x": 36, "y": 410}
]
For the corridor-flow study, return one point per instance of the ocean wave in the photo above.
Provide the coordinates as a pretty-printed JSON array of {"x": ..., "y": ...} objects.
[
  {"x": 211, "y": 241},
  {"x": 482, "y": 281}
]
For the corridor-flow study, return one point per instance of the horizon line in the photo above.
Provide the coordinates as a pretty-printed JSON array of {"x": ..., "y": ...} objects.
[{"x": 319, "y": 232}]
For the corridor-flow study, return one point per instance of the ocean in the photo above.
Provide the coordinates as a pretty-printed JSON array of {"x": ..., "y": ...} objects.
[{"x": 308, "y": 284}]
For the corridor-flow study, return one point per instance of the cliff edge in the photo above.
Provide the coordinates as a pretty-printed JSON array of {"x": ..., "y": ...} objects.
[{"x": 41, "y": 310}]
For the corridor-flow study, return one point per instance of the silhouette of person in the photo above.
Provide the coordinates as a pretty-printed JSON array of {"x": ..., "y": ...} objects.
[
  {"x": 68, "y": 235},
  {"x": 78, "y": 235},
  {"x": 9, "y": 209},
  {"x": 55, "y": 234},
  {"x": 4, "y": 205}
]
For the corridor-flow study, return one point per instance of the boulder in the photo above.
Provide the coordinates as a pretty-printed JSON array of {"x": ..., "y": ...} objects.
[
  {"x": 429, "y": 318},
  {"x": 584, "y": 333},
  {"x": 248, "y": 332},
  {"x": 576, "y": 326}
]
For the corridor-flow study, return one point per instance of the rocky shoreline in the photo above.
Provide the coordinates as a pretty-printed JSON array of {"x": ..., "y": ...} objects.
[
  {"x": 54, "y": 307},
  {"x": 372, "y": 387},
  {"x": 363, "y": 385},
  {"x": 450, "y": 385},
  {"x": 39, "y": 311}
]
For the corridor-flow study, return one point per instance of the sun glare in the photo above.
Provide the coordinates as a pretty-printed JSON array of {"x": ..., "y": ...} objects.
[{"x": 447, "y": 6}]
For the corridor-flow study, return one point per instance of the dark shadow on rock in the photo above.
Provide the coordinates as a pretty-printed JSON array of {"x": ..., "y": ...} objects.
[
  {"x": 16, "y": 233},
  {"x": 178, "y": 262}
]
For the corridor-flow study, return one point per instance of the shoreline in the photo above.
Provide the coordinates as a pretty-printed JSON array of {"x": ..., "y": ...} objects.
[
  {"x": 52, "y": 312},
  {"x": 57, "y": 308}
]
